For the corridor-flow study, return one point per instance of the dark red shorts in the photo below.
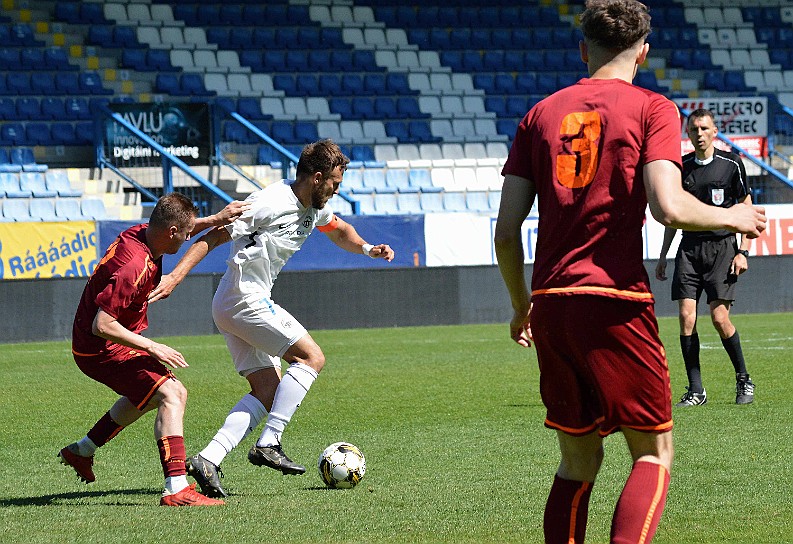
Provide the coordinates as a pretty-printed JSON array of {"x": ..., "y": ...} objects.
[
  {"x": 132, "y": 374},
  {"x": 602, "y": 365}
]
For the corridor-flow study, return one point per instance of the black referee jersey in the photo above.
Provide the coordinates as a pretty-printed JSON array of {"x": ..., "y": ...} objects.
[{"x": 721, "y": 182}]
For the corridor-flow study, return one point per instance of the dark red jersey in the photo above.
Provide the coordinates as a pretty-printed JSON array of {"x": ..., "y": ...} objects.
[
  {"x": 585, "y": 147},
  {"x": 120, "y": 285}
]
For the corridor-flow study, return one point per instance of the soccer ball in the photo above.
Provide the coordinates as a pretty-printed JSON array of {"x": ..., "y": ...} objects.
[{"x": 341, "y": 465}]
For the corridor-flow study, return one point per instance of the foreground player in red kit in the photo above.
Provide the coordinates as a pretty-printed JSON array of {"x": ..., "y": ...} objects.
[
  {"x": 594, "y": 154},
  {"x": 108, "y": 347}
]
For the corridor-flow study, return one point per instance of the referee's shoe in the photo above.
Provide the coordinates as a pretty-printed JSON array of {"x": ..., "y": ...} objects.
[
  {"x": 692, "y": 399},
  {"x": 744, "y": 389}
]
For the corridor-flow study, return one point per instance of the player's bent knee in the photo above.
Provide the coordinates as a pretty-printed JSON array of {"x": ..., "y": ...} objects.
[{"x": 173, "y": 392}]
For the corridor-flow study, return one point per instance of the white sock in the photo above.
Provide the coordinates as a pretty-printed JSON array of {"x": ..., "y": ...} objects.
[
  {"x": 174, "y": 484},
  {"x": 86, "y": 447},
  {"x": 242, "y": 419},
  {"x": 290, "y": 393}
]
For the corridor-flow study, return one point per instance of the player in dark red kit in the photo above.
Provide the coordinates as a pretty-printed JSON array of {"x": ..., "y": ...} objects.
[
  {"x": 594, "y": 154},
  {"x": 709, "y": 261},
  {"x": 108, "y": 346}
]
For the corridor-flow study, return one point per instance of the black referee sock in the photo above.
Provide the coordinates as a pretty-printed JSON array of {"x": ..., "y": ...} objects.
[
  {"x": 690, "y": 347},
  {"x": 733, "y": 347}
]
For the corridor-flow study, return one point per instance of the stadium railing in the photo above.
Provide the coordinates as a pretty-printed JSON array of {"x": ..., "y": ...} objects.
[{"x": 203, "y": 198}]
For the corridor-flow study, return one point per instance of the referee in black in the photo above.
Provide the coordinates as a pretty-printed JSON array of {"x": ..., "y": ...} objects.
[{"x": 709, "y": 261}]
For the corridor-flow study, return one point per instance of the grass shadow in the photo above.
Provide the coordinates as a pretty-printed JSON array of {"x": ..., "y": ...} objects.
[{"x": 49, "y": 500}]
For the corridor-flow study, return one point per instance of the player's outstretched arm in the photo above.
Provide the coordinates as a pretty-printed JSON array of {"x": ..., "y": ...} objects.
[
  {"x": 107, "y": 327},
  {"x": 346, "y": 237},
  {"x": 672, "y": 206},
  {"x": 225, "y": 216},
  {"x": 194, "y": 255}
]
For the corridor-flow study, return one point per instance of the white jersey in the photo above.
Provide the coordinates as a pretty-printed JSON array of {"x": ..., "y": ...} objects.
[{"x": 267, "y": 235}]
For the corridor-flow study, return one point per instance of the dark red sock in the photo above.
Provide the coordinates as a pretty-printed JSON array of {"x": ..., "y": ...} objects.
[
  {"x": 104, "y": 430},
  {"x": 566, "y": 511},
  {"x": 172, "y": 455},
  {"x": 641, "y": 504}
]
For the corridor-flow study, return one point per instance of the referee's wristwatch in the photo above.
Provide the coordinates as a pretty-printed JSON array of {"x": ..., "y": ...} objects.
[{"x": 744, "y": 252}]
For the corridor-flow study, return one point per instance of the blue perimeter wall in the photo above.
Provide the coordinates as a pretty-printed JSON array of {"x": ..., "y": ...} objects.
[{"x": 405, "y": 234}]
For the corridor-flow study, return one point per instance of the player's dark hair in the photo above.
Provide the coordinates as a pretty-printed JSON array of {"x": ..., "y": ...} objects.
[
  {"x": 699, "y": 114},
  {"x": 322, "y": 156},
  {"x": 615, "y": 25},
  {"x": 173, "y": 209}
]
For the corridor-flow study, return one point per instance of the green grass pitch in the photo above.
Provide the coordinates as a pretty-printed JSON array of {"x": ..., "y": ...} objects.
[{"x": 450, "y": 421}]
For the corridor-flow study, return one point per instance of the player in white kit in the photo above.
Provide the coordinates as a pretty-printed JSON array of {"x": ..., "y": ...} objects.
[{"x": 258, "y": 331}]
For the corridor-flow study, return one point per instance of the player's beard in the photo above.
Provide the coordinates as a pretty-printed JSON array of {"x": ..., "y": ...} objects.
[{"x": 319, "y": 198}]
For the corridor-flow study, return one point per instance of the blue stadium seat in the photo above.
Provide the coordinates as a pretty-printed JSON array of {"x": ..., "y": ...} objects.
[
  {"x": 68, "y": 209},
  {"x": 62, "y": 133},
  {"x": 135, "y": 59},
  {"x": 9, "y": 58},
  {"x": 504, "y": 84},
  {"x": 13, "y": 133},
  {"x": 160, "y": 60},
  {"x": 386, "y": 203},
  {"x": 408, "y": 107},
  {"x": 234, "y": 132},
  {"x": 17, "y": 210},
  {"x": 126, "y": 37},
  {"x": 363, "y": 60},
  {"x": 397, "y": 178},
  {"x": 342, "y": 106},
  {"x": 386, "y": 108},
  {"x": 56, "y": 58},
  {"x": 193, "y": 85},
  {"x": 8, "y": 110},
  {"x": 77, "y": 108},
  {"x": 496, "y": 104},
  {"x": 23, "y": 156},
  {"x": 420, "y": 132},
  {"x": 318, "y": 59},
  {"x": 92, "y": 13},
  {"x": 431, "y": 202},
  {"x": 36, "y": 184},
  {"x": 43, "y": 209},
  {"x": 283, "y": 132},
  {"x": 363, "y": 108},
  {"x": 93, "y": 208},
  {"x": 352, "y": 84},
  {"x": 22, "y": 35},
  {"x": 398, "y": 84},
  {"x": 167, "y": 84},
  {"x": 374, "y": 178},
  {"x": 306, "y": 84},
  {"x": 454, "y": 201},
  {"x": 101, "y": 35},
  {"x": 43, "y": 83},
  {"x": 253, "y": 58},
  {"x": 286, "y": 83},
  {"x": 19, "y": 83},
  {"x": 398, "y": 130},
  {"x": 91, "y": 82},
  {"x": 476, "y": 201},
  {"x": 58, "y": 181},
  {"x": 507, "y": 127},
  {"x": 208, "y": 14},
  {"x": 231, "y": 14},
  {"x": 240, "y": 38},
  {"x": 305, "y": 132},
  {"x": 421, "y": 179},
  {"x": 374, "y": 83},
  {"x": 186, "y": 13},
  {"x": 68, "y": 12},
  {"x": 9, "y": 183},
  {"x": 84, "y": 132},
  {"x": 32, "y": 58},
  {"x": 274, "y": 60},
  {"x": 28, "y": 108},
  {"x": 251, "y": 109},
  {"x": 329, "y": 85}
]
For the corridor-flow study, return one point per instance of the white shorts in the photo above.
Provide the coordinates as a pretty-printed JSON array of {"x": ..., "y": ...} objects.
[{"x": 257, "y": 330}]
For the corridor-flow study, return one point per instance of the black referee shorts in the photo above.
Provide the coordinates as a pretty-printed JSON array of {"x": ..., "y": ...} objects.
[{"x": 704, "y": 265}]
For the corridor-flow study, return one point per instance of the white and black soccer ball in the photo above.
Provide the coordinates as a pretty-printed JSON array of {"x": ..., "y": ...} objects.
[{"x": 342, "y": 465}]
